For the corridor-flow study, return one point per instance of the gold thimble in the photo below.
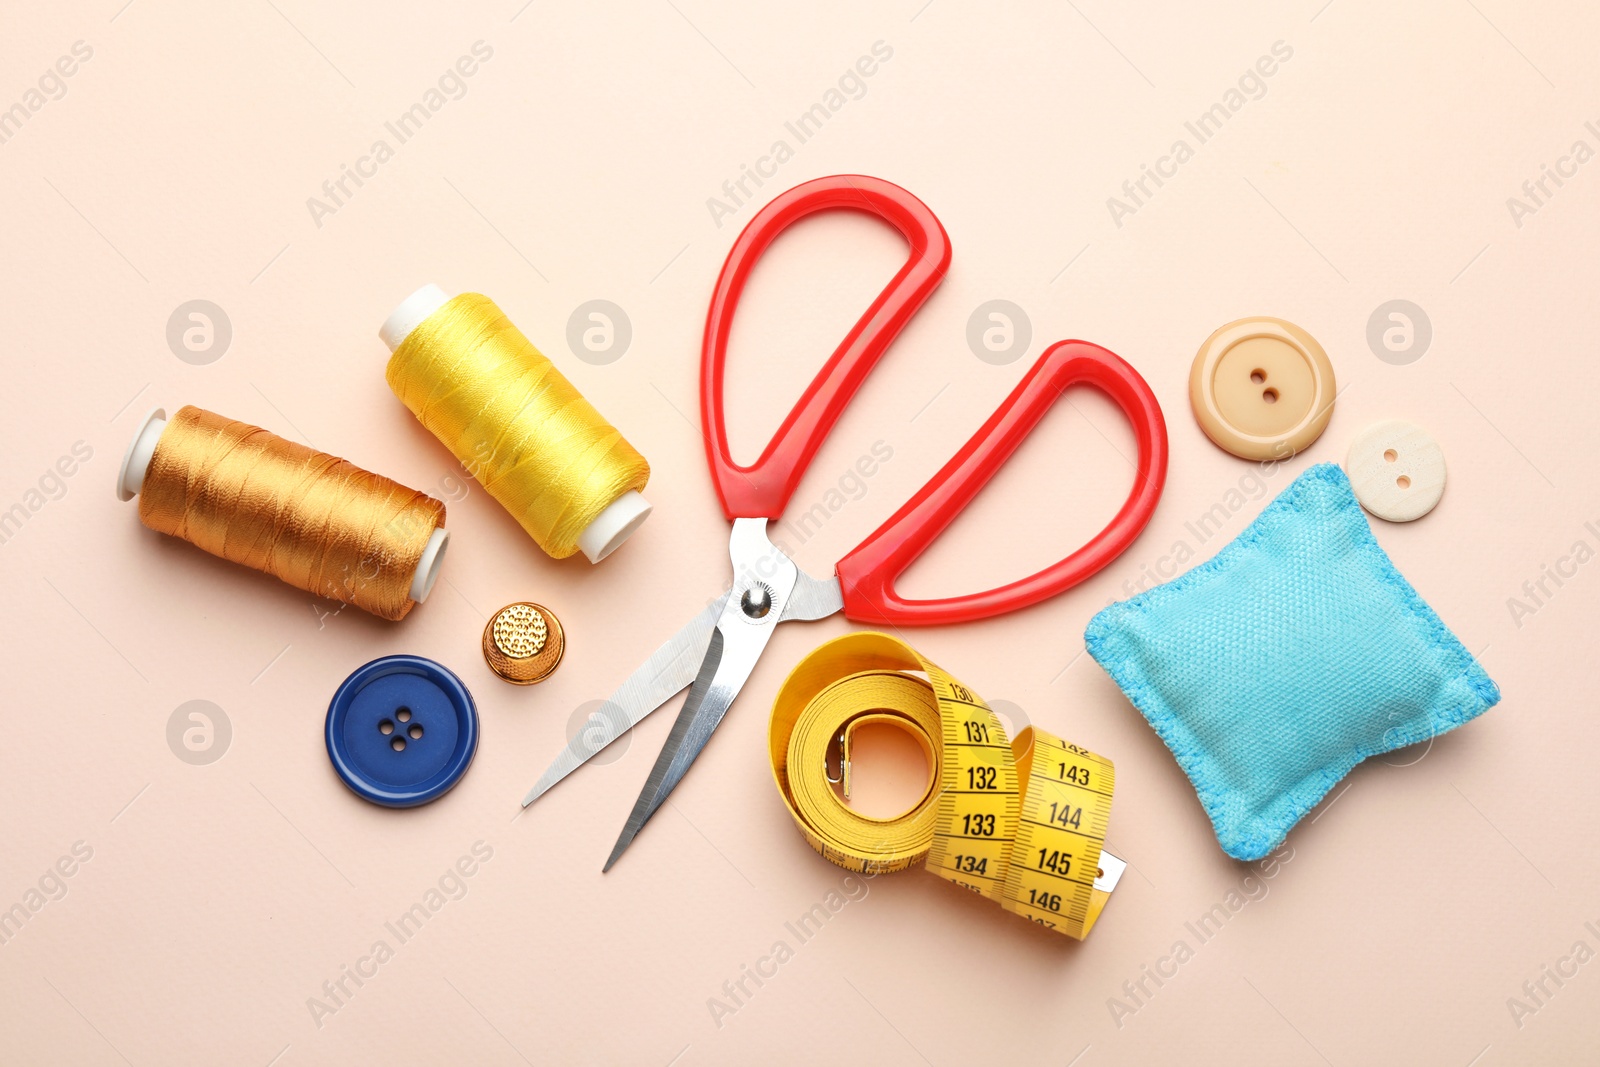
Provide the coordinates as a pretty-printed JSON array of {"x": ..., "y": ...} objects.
[{"x": 523, "y": 643}]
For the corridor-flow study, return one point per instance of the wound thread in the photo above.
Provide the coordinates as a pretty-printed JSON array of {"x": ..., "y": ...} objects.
[
  {"x": 315, "y": 521},
  {"x": 514, "y": 421}
]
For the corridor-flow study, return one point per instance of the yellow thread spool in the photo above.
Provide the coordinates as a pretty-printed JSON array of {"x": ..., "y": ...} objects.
[
  {"x": 511, "y": 418},
  {"x": 317, "y": 522}
]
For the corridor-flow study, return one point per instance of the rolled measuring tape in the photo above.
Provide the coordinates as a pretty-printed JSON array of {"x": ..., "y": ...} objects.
[{"x": 1019, "y": 821}]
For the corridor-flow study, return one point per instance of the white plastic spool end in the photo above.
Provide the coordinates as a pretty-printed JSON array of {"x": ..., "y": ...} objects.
[
  {"x": 412, "y": 312},
  {"x": 428, "y": 566},
  {"x": 136, "y": 460},
  {"x": 614, "y": 525}
]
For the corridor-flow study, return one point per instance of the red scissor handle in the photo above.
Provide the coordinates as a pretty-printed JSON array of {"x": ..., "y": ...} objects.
[
  {"x": 762, "y": 490},
  {"x": 867, "y": 575}
]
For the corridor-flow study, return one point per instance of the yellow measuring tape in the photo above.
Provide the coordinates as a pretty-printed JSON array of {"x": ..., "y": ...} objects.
[{"x": 1021, "y": 822}]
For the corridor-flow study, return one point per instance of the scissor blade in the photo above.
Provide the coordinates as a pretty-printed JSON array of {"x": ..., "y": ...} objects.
[
  {"x": 763, "y": 575},
  {"x": 728, "y": 663},
  {"x": 658, "y": 679},
  {"x": 813, "y": 598}
]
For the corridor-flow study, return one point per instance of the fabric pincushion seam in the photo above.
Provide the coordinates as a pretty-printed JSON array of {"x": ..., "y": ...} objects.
[{"x": 1321, "y": 488}]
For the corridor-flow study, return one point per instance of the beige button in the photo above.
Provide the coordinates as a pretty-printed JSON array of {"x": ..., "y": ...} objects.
[
  {"x": 1396, "y": 469},
  {"x": 1262, "y": 388},
  {"x": 523, "y": 643}
]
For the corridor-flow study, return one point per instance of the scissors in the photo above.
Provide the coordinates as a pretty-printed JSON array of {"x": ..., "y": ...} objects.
[{"x": 714, "y": 654}]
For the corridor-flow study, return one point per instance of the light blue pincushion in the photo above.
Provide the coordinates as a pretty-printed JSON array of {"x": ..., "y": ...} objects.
[{"x": 1297, "y": 652}]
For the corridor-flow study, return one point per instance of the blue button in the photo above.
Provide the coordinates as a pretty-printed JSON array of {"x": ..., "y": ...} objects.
[{"x": 402, "y": 730}]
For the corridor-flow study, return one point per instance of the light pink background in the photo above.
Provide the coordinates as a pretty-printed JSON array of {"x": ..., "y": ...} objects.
[{"x": 577, "y": 165}]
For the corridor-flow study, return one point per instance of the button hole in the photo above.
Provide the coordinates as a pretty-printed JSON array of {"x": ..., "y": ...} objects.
[
  {"x": 415, "y": 732},
  {"x": 386, "y": 727},
  {"x": 398, "y": 744},
  {"x": 403, "y": 714},
  {"x": 1270, "y": 396},
  {"x": 1390, "y": 455},
  {"x": 1403, "y": 482},
  {"x": 1258, "y": 376}
]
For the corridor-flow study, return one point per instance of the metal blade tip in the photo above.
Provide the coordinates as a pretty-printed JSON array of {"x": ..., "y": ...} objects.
[{"x": 628, "y": 834}]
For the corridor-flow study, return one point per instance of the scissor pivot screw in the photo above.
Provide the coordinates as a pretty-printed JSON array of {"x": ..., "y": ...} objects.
[{"x": 756, "y": 602}]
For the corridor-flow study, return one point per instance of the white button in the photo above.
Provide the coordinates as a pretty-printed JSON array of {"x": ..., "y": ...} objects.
[{"x": 1396, "y": 469}]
